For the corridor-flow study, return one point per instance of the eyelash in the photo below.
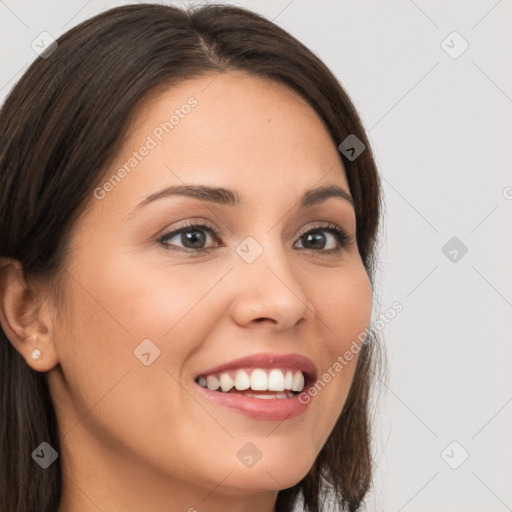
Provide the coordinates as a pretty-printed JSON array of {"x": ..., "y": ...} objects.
[{"x": 343, "y": 239}]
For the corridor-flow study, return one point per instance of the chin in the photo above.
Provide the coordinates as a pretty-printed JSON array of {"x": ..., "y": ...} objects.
[
  {"x": 277, "y": 470},
  {"x": 264, "y": 479}
]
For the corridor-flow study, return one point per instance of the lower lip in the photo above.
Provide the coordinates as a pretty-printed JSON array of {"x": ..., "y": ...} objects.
[{"x": 272, "y": 409}]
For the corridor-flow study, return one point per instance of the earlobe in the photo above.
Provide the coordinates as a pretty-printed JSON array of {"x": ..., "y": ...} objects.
[
  {"x": 36, "y": 353},
  {"x": 22, "y": 320},
  {"x": 40, "y": 358}
]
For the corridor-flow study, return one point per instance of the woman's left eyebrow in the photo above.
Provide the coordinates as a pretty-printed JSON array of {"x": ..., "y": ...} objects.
[{"x": 224, "y": 196}]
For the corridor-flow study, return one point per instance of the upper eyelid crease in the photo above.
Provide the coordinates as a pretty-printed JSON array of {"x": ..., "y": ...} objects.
[{"x": 223, "y": 196}]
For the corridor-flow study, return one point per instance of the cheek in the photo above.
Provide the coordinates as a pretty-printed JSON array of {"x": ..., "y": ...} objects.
[
  {"x": 111, "y": 310},
  {"x": 114, "y": 306},
  {"x": 346, "y": 309},
  {"x": 346, "y": 312},
  {"x": 137, "y": 300}
]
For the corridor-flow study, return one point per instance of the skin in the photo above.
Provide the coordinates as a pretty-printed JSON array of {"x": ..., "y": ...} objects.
[{"x": 138, "y": 437}]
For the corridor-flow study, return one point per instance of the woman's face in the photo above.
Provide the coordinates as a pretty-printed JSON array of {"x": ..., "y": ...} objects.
[{"x": 145, "y": 316}]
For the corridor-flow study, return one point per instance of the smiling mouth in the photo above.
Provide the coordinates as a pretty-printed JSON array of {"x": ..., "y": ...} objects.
[{"x": 263, "y": 383}]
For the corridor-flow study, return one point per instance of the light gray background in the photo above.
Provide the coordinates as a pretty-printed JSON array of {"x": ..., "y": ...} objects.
[{"x": 441, "y": 130}]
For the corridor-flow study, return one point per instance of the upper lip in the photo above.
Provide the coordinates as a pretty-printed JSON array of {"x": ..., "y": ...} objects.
[{"x": 268, "y": 360}]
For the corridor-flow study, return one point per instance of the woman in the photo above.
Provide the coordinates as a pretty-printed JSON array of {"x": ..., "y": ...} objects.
[{"x": 178, "y": 333}]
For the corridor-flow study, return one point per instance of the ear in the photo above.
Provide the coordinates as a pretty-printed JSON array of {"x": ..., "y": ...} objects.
[{"x": 23, "y": 317}]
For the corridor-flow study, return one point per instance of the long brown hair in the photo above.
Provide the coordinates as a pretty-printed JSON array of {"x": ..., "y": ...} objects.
[{"x": 60, "y": 128}]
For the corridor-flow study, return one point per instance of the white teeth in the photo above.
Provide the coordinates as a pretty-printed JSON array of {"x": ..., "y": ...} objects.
[
  {"x": 242, "y": 380},
  {"x": 212, "y": 382},
  {"x": 298, "y": 382},
  {"x": 288, "y": 380},
  {"x": 276, "y": 381},
  {"x": 259, "y": 380},
  {"x": 226, "y": 382},
  {"x": 256, "y": 381}
]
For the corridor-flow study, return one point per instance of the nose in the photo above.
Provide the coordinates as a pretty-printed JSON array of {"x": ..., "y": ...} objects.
[{"x": 268, "y": 291}]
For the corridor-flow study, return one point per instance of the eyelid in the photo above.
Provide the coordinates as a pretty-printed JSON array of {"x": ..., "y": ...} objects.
[
  {"x": 191, "y": 223},
  {"x": 319, "y": 225}
]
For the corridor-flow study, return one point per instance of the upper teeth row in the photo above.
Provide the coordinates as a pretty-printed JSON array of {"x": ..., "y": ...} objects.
[{"x": 258, "y": 380}]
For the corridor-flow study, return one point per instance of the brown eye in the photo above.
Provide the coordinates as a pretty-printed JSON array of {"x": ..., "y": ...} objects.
[
  {"x": 315, "y": 239},
  {"x": 191, "y": 237}
]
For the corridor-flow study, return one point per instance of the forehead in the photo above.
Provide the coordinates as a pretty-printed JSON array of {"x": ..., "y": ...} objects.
[{"x": 231, "y": 130}]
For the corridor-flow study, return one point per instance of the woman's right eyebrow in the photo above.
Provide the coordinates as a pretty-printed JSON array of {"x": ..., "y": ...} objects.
[{"x": 224, "y": 196}]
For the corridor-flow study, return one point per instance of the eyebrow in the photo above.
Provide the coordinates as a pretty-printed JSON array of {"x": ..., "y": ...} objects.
[{"x": 224, "y": 196}]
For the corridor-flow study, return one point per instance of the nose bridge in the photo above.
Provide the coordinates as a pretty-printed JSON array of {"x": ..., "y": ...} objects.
[{"x": 269, "y": 288}]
